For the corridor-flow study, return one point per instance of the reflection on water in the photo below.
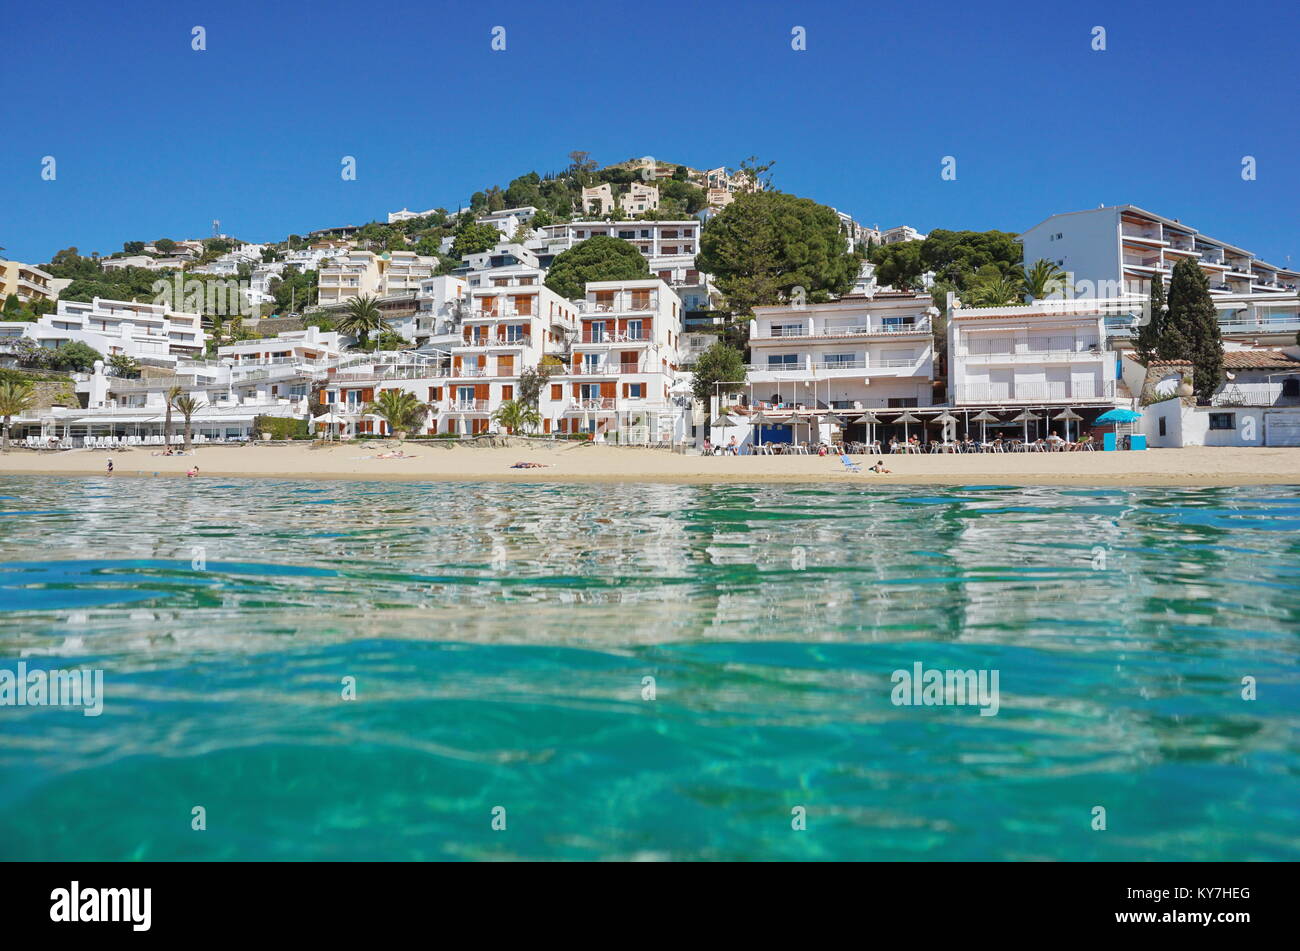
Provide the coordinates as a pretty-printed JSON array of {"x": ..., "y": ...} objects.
[{"x": 500, "y": 637}]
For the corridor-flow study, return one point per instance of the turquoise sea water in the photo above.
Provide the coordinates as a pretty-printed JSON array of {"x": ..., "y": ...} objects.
[{"x": 500, "y": 637}]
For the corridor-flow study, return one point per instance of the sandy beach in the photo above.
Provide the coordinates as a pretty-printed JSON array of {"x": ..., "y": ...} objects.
[{"x": 592, "y": 463}]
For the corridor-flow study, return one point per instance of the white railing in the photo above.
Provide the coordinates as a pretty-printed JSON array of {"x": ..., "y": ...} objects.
[
  {"x": 1033, "y": 392},
  {"x": 1030, "y": 356},
  {"x": 858, "y": 330},
  {"x": 466, "y": 406},
  {"x": 592, "y": 405},
  {"x": 1253, "y": 394}
]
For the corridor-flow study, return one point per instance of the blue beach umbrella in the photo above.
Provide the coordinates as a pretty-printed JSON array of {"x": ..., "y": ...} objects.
[{"x": 1119, "y": 416}]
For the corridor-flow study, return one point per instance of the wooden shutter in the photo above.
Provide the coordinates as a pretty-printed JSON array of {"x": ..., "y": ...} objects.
[
  {"x": 481, "y": 391},
  {"x": 557, "y": 391},
  {"x": 607, "y": 390},
  {"x": 507, "y": 392}
]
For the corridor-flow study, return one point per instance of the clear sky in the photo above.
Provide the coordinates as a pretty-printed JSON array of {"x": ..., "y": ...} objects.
[{"x": 153, "y": 139}]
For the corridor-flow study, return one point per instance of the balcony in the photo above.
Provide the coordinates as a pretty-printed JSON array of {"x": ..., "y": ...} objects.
[
  {"x": 1033, "y": 356},
  {"x": 608, "y": 369},
  {"x": 486, "y": 343},
  {"x": 604, "y": 405},
  {"x": 466, "y": 406},
  {"x": 468, "y": 372},
  {"x": 1256, "y": 394},
  {"x": 809, "y": 369},
  {"x": 592, "y": 336},
  {"x": 1150, "y": 233},
  {"x": 1058, "y": 392},
  {"x": 874, "y": 328}
]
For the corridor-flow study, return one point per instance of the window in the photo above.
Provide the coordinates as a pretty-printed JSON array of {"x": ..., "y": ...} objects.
[
  {"x": 901, "y": 402},
  {"x": 779, "y": 360},
  {"x": 597, "y": 332},
  {"x": 1162, "y": 426},
  {"x": 788, "y": 330},
  {"x": 636, "y": 391},
  {"x": 634, "y": 330},
  {"x": 591, "y": 362},
  {"x": 838, "y": 359},
  {"x": 627, "y": 234},
  {"x": 557, "y": 391},
  {"x": 1223, "y": 421},
  {"x": 589, "y": 391}
]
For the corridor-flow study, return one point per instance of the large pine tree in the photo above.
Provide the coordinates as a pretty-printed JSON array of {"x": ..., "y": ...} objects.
[
  {"x": 1147, "y": 340},
  {"x": 1191, "y": 328}
]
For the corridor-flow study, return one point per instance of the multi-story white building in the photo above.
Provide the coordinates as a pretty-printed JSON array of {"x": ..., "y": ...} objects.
[
  {"x": 360, "y": 273},
  {"x": 311, "y": 347},
  {"x": 669, "y": 246},
  {"x": 639, "y": 198},
  {"x": 598, "y": 200},
  {"x": 508, "y": 220},
  {"x": 848, "y": 355},
  {"x": 404, "y": 215},
  {"x": 131, "y": 328},
  {"x": 898, "y": 235},
  {"x": 1115, "y": 250},
  {"x": 1049, "y": 355},
  {"x": 620, "y": 366}
]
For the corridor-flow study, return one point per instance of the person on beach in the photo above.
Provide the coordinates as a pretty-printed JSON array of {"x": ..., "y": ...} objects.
[
  {"x": 879, "y": 467},
  {"x": 732, "y": 447},
  {"x": 110, "y": 467},
  {"x": 192, "y": 473},
  {"x": 708, "y": 447},
  {"x": 530, "y": 465}
]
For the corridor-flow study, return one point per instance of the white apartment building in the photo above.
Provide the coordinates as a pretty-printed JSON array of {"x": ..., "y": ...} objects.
[
  {"x": 173, "y": 263},
  {"x": 29, "y": 284},
  {"x": 1051, "y": 354},
  {"x": 508, "y": 220},
  {"x": 359, "y": 273},
  {"x": 669, "y": 246},
  {"x": 1117, "y": 249},
  {"x": 131, "y": 328},
  {"x": 899, "y": 234},
  {"x": 405, "y": 215},
  {"x": 310, "y": 347},
  {"x": 639, "y": 198},
  {"x": 620, "y": 366},
  {"x": 598, "y": 200},
  {"x": 846, "y": 356}
]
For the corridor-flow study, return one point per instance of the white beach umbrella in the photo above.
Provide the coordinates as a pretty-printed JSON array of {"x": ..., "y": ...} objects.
[
  {"x": 1024, "y": 417},
  {"x": 1067, "y": 416},
  {"x": 905, "y": 419},
  {"x": 984, "y": 417}
]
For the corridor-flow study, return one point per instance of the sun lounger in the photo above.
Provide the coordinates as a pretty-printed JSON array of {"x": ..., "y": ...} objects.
[{"x": 849, "y": 464}]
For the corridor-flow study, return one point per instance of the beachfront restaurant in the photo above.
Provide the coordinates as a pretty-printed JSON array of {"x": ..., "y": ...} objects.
[{"x": 114, "y": 427}]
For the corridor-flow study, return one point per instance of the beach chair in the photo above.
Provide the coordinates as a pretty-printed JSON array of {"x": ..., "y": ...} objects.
[{"x": 849, "y": 464}]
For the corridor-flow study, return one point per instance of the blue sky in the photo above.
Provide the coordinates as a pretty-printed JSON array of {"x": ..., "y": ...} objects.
[{"x": 153, "y": 139}]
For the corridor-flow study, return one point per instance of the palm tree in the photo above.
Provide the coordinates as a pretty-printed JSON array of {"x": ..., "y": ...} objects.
[
  {"x": 996, "y": 292},
  {"x": 402, "y": 411},
  {"x": 361, "y": 319},
  {"x": 187, "y": 406},
  {"x": 517, "y": 417},
  {"x": 16, "y": 398},
  {"x": 1043, "y": 279},
  {"x": 173, "y": 393}
]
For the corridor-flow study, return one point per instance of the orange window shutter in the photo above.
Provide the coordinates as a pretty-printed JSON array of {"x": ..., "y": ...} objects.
[
  {"x": 607, "y": 390},
  {"x": 507, "y": 392},
  {"x": 557, "y": 391},
  {"x": 546, "y": 425},
  {"x": 480, "y": 391},
  {"x": 625, "y": 389},
  {"x": 577, "y": 391}
]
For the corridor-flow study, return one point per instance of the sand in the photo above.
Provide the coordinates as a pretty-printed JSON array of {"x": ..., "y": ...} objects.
[{"x": 592, "y": 463}]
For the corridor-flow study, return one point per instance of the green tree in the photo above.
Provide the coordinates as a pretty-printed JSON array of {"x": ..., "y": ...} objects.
[
  {"x": 187, "y": 406},
  {"x": 533, "y": 380},
  {"x": 16, "y": 398},
  {"x": 133, "y": 247},
  {"x": 601, "y": 258},
  {"x": 124, "y": 365},
  {"x": 1192, "y": 326},
  {"x": 475, "y": 239},
  {"x": 165, "y": 245},
  {"x": 765, "y": 244},
  {"x": 991, "y": 288},
  {"x": 898, "y": 265},
  {"x": 516, "y": 416},
  {"x": 75, "y": 356},
  {"x": 1147, "y": 340},
  {"x": 1042, "y": 279},
  {"x": 362, "y": 317},
  {"x": 956, "y": 256},
  {"x": 718, "y": 364},
  {"x": 402, "y": 410}
]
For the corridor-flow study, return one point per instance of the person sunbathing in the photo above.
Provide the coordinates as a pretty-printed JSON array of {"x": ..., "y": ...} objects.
[
  {"x": 530, "y": 465},
  {"x": 879, "y": 467}
]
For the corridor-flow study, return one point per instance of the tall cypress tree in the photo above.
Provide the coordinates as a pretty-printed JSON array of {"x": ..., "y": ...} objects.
[
  {"x": 1147, "y": 340},
  {"x": 1192, "y": 328}
]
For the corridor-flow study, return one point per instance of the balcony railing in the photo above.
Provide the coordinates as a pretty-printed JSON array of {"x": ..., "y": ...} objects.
[
  {"x": 481, "y": 343},
  {"x": 590, "y": 336},
  {"x": 1035, "y": 392},
  {"x": 857, "y": 330},
  {"x": 1030, "y": 356},
  {"x": 592, "y": 405},
  {"x": 1255, "y": 394},
  {"x": 824, "y": 367},
  {"x": 466, "y": 406},
  {"x": 607, "y": 369}
]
